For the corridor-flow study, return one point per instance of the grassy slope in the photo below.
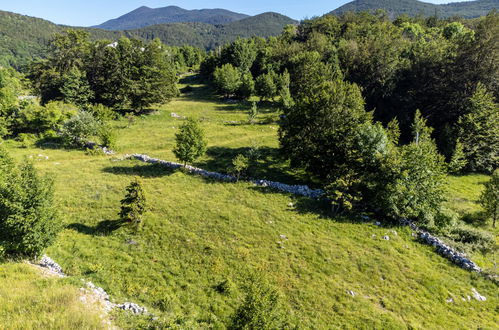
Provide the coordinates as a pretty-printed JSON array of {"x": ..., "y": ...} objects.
[
  {"x": 199, "y": 233},
  {"x": 30, "y": 302}
]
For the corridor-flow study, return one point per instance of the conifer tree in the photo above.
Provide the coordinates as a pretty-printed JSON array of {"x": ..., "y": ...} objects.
[{"x": 133, "y": 206}]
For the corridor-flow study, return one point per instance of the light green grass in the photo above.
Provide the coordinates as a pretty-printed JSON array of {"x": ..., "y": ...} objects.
[
  {"x": 31, "y": 301},
  {"x": 199, "y": 233}
]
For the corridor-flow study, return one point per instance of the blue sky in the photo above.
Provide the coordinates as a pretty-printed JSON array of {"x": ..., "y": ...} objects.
[{"x": 93, "y": 12}]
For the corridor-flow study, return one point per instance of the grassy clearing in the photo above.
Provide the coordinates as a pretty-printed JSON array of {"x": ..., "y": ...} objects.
[
  {"x": 199, "y": 233},
  {"x": 28, "y": 301}
]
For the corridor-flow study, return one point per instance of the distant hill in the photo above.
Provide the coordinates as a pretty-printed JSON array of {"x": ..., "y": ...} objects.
[
  {"x": 210, "y": 36},
  {"x": 466, "y": 9},
  {"x": 145, "y": 16},
  {"x": 23, "y": 38}
]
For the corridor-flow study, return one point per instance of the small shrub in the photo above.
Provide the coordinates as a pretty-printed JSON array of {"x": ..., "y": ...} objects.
[
  {"x": 261, "y": 308},
  {"x": 102, "y": 113},
  {"x": 108, "y": 137},
  {"x": 133, "y": 206},
  {"x": 226, "y": 287},
  {"x": 446, "y": 218},
  {"x": 252, "y": 113},
  {"x": 240, "y": 165},
  {"x": 469, "y": 238},
  {"x": 26, "y": 139}
]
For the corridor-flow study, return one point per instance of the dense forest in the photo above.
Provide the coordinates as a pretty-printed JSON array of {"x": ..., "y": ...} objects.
[
  {"x": 377, "y": 110},
  {"x": 466, "y": 9},
  {"x": 26, "y": 38}
]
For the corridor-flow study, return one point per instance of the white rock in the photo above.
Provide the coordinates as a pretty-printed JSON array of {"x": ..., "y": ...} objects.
[{"x": 478, "y": 296}]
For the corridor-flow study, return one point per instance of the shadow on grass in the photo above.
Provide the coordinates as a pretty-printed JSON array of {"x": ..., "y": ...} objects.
[
  {"x": 269, "y": 166},
  {"x": 103, "y": 228},
  {"x": 54, "y": 143},
  {"x": 144, "y": 171}
]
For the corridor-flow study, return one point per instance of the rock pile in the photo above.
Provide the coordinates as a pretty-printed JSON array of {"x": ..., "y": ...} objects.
[
  {"x": 443, "y": 249},
  {"x": 51, "y": 265},
  {"x": 293, "y": 189}
]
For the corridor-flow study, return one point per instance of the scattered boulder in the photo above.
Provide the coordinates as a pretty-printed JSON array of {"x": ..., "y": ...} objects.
[
  {"x": 51, "y": 265},
  {"x": 477, "y": 296},
  {"x": 386, "y": 238}
]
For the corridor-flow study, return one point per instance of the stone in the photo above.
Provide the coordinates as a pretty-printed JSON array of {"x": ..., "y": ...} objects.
[
  {"x": 386, "y": 238},
  {"x": 377, "y": 223},
  {"x": 283, "y": 237},
  {"x": 350, "y": 292},
  {"x": 477, "y": 296},
  {"x": 450, "y": 300}
]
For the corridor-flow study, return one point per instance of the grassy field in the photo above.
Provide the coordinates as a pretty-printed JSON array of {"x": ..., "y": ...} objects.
[
  {"x": 31, "y": 301},
  {"x": 199, "y": 233}
]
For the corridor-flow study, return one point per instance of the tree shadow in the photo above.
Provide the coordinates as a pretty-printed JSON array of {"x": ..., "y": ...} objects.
[
  {"x": 270, "y": 165},
  {"x": 53, "y": 143},
  {"x": 103, "y": 228},
  {"x": 142, "y": 170}
]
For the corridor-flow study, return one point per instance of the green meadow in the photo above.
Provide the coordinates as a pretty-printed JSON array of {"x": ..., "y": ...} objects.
[{"x": 199, "y": 233}]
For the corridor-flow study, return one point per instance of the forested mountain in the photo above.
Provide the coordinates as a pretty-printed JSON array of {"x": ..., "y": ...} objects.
[
  {"x": 23, "y": 38},
  {"x": 145, "y": 16},
  {"x": 210, "y": 36},
  {"x": 467, "y": 9}
]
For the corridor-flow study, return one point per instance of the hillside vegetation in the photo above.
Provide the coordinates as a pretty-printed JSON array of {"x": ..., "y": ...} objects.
[
  {"x": 466, "y": 9},
  {"x": 145, "y": 16},
  {"x": 24, "y": 38},
  {"x": 189, "y": 264}
]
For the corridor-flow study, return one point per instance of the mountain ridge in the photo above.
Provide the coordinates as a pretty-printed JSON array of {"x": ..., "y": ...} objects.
[
  {"x": 466, "y": 9},
  {"x": 145, "y": 16}
]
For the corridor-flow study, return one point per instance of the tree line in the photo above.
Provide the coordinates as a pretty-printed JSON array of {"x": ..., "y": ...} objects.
[{"x": 376, "y": 110}]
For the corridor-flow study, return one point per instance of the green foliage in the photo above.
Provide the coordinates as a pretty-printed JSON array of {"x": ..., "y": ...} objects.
[
  {"x": 240, "y": 53},
  {"x": 490, "y": 198},
  {"x": 458, "y": 160},
  {"x": 252, "y": 113},
  {"x": 247, "y": 87},
  {"x": 266, "y": 85},
  {"x": 227, "y": 79},
  {"x": 78, "y": 129},
  {"x": 468, "y": 238},
  {"x": 319, "y": 131},
  {"x": 240, "y": 165},
  {"x": 190, "y": 142},
  {"x": 101, "y": 112},
  {"x": 479, "y": 131},
  {"x": 108, "y": 137},
  {"x": 34, "y": 118},
  {"x": 417, "y": 189},
  {"x": 28, "y": 219},
  {"x": 133, "y": 206},
  {"x": 75, "y": 88},
  {"x": 261, "y": 308}
]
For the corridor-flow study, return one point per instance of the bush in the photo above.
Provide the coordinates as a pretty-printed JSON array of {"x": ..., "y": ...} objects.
[
  {"x": 28, "y": 217},
  {"x": 102, "y": 113},
  {"x": 240, "y": 165},
  {"x": 108, "y": 137},
  {"x": 78, "y": 129},
  {"x": 261, "y": 308},
  {"x": 34, "y": 118},
  {"x": 469, "y": 238}
]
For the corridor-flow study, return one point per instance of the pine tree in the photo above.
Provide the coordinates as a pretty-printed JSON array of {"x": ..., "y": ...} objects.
[
  {"x": 458, "y": 160},
  {"x": 479, "y": 131},
  {"x": 490, "y": 198},
  {"x": 190, "y": 142},
  {"x": 133, "y": 206}
]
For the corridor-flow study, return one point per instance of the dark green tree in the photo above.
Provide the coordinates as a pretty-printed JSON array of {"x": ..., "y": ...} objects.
[
  {"x": 190, "y": 142},
  {"x": 479, "y": 131},
  {"x": 318, "y": 133},
  {"x": 489, "y": 199},
  {"x": 266, "y": 85},
  {"x": 133, "y": 206},
  {"x": 29, "y": 222}
]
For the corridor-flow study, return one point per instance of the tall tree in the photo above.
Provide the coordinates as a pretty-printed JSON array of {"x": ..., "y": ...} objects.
[
  {"x": 479, "y": 131},
  {"x": 489, "y": 198}
]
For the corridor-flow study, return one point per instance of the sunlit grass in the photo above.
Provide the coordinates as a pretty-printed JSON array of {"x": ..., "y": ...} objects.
[{"x": 199, "y": 233}]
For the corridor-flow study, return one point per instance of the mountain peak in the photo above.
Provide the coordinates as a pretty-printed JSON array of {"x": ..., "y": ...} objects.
[{"x": 145, "y": 16}]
